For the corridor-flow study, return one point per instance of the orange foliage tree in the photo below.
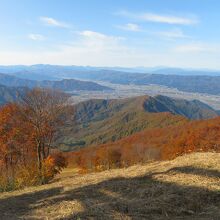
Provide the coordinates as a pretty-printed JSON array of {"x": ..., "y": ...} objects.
[
  {"x": 16, "y": 146},
  {"x": 45, "y": 111},
  {"x": 27, "y": 133}
]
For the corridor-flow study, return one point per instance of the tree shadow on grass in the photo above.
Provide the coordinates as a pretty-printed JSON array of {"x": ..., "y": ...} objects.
[
  {"x": 197, "y": 171},
  {"x": 15, "y": 207},
  {"x": 141, "y": 197}
]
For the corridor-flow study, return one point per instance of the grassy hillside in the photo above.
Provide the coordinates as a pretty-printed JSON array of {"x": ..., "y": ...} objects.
[
  {"x": 185, "y": 188},
  {"x": 102, "y": 121}
]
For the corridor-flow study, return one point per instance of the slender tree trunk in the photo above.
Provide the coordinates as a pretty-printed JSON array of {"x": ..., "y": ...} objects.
[
  {"x": 39, "y": 160},
  {"x": 12, "y": 169},
  {"x": 48, "y": 151},
  {"x": 7, "y": 169},
  {"x": 43, "y": 151}
]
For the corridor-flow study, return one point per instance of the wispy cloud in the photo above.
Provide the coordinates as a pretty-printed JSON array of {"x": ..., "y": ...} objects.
[
  {"x": 160, "y": 18},
  {"x": 175, "y": 33},
  {"x": 195, "y": 48},
  {"x": 93, "y": 48},
  {"x": 95, "y": 41},
  {"x": 112, "y": 52},
  {"x": 130, "y": 27},
  {"x": 93, "y": 34},
  {"x": 36, "y": 37},
  {"x": 53, "y": 22}
]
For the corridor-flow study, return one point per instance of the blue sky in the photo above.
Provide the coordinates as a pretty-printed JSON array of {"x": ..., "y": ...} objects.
[{"x": 178, "y": 33}]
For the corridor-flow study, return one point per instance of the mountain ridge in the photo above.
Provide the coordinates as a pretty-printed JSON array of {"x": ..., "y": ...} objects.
[
  {"x": 197, "y": 81},
  {"x": 100, "y": 121},
  {"x": 64, "y": 84},
  {"x": 10, "y": 94}
]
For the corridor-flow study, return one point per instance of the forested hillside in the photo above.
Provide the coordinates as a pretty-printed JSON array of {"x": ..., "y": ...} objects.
[
  {"x": 101, "y": 121},
  {"x": 150, "y": 144}
]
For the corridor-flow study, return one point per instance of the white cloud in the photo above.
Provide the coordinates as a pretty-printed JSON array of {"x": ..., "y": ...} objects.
[
  {"x": 129, "y": 27},
  {"x": 36, "y": 37},
  {"x": 53, "y": 22},
  {"x": 98, "y": 49},
  {"x": 95, "y": 41},
  {"x": 95, "y": 35},
  {"x": 175, "y": 33},
  {"x": 195, "y": 48},
  {"x": 160, "y": 18},
  {"x": 116, "y": 56},
  {"x": 88, "y": 48}
]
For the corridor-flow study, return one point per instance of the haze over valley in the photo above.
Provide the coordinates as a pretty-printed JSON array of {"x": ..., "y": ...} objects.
[{"x": 86, "y": 83}]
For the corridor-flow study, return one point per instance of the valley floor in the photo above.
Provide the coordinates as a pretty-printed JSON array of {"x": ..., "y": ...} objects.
[{"x": 185, "y": 188}]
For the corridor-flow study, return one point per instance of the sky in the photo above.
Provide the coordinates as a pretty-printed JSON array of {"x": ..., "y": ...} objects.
[{"x": 126, "y": 33}]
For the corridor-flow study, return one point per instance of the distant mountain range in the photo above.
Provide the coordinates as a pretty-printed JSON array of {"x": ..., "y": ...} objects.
[
  {"x": 65, "y": 84},
  {"x": 102, "y": 121},
  {"x": 196, "y": 84},
  {"x": 10, "y": 94},
  {"x": 197, "y": 81},
  {"x": 185, "y": 72},
  {"x": 73, "y": 85},
  {"x": 48, "y": 72}
]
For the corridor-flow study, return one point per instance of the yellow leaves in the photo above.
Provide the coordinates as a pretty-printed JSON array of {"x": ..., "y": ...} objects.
[
  {"x": 49, "y": 163},
  {"x": 52, "y": 165}
]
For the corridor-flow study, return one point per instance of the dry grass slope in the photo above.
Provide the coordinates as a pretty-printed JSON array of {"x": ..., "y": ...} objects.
[{"x": 185, "y": 188}]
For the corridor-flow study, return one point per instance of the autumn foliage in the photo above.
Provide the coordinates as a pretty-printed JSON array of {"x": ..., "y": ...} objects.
[
  {"x": 27, "y": 131},
  {"x": 53, "y": 165},
  {"x": 150, "y": 144}
]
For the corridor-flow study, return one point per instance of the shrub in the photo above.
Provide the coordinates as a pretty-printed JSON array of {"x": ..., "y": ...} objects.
[{"x": 53, "y": 165}]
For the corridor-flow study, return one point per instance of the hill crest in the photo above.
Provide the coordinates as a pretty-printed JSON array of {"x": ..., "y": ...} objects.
[{"x": 100, "y": 121}]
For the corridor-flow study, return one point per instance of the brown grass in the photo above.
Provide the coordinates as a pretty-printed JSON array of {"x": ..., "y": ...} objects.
[{"x": 185, "y": 188}]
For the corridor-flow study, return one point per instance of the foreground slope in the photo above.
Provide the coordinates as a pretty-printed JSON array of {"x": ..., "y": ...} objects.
[{"x": 184, "y": 188}]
